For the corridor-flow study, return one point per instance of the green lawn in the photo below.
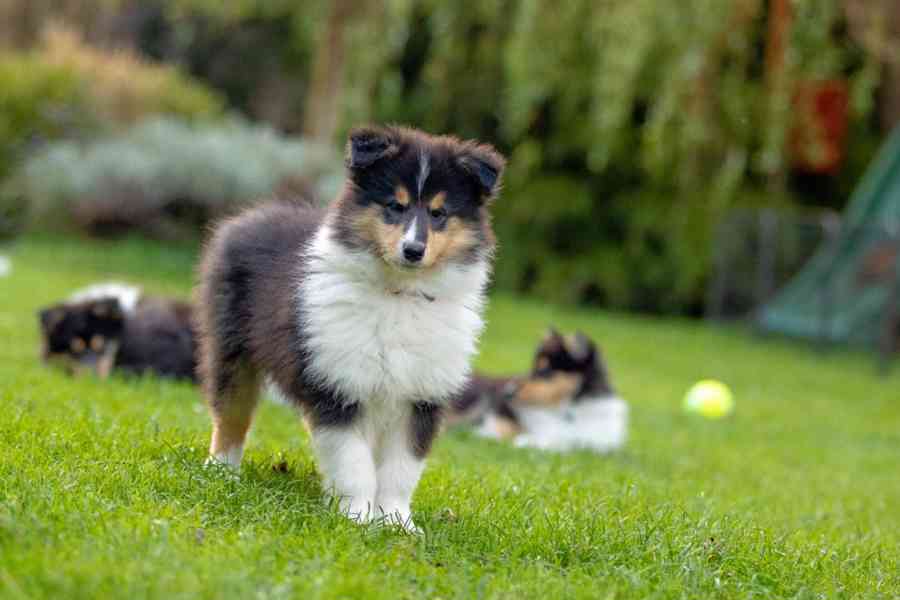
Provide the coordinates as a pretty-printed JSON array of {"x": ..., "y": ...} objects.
[{"x": 103, "y": 492}]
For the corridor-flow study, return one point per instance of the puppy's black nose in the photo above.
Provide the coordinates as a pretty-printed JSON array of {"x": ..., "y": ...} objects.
[{"x": 413, "y": 251}]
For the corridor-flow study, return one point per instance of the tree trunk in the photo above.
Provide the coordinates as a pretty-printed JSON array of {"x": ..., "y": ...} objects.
[
  {"x": 323, "y": 99},
  {"x": 889, "y": 105},
  {"x": 780, "y": 21}
]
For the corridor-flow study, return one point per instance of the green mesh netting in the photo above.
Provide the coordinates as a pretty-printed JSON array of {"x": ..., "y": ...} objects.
[{"x": 840, "y": 295}]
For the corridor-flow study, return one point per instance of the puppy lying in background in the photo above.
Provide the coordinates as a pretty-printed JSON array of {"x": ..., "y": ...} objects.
[
  {"x": 565, "y": 403},
  {"x": 113, "y": 326}
]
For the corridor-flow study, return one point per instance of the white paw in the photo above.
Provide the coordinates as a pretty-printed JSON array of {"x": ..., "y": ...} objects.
[
  {"x": 230, "y": 458},
  {"x": 230, "y": 471},
  {"x": 488, "y": 428},
  {"x": 524, "y": 440},
  {"x": 398, "y": 514},
  {"x": 218, "y": 461},
  {"x": 354, "y": 508},
  {"x": 403, "y": 521}
]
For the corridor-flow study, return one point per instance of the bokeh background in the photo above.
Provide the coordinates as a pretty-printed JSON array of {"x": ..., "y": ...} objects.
[
  {"x": 634, "y": 128},
  {"x": 669, "y": 160}
]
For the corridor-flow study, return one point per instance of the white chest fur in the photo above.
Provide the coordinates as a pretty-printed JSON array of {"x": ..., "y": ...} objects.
[{"x": 379, "y": 335}]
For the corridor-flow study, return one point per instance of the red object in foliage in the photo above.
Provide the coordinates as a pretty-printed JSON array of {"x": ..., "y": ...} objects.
[{"x": 820, "y": 129}]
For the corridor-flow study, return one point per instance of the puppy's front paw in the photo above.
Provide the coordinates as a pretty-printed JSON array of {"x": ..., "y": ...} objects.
[
  {"x": 228, "y": 470},
  {"x": 230, "y": 458},
  {"x": 355, "y": 508},
  {"x": 524, "y": 440},
  {"x": 398, "y": 515}
]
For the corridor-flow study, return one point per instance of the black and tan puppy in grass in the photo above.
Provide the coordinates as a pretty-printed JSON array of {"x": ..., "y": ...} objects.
[
  {"x": 114, "y": 327},
  {"x": 365, "y": 314}
]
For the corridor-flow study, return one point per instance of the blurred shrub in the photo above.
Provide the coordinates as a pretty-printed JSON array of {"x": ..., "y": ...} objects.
[
  {"x": 66, "y": 89},
  {"x": 12, "y": 214},
  {"x": 257, "y": 54},
  {"x": 38, "y": 100},
  {"x": 167, "y": 178},
  {"x": 122, "y": 87}
]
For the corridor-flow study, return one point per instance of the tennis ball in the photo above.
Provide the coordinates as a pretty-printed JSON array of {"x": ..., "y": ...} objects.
[{"x": 709, "y": 398}]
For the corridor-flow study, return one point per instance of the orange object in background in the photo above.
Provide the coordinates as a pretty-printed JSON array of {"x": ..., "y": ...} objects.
[{"x": 819, "y": 133}]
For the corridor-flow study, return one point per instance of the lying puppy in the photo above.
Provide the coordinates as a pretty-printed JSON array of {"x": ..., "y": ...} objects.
[
  {"x": 113, "y": 326},
  {"x": 566, "y": 402}
]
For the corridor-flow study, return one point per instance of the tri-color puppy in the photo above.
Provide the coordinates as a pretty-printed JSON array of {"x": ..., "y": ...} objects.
[
  {"x": 565, "y": 403},
  {"x": 365, "y": 314},
  {"x": 112, "y": 326}
]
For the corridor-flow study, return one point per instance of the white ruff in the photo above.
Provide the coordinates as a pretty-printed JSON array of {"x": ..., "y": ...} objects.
[{"x": 378, "y": 334}]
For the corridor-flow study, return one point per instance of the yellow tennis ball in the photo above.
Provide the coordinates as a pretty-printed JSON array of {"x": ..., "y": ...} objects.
[{"x": 709, "y": 398}]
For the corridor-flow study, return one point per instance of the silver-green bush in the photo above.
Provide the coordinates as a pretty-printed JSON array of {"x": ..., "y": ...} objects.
[{"x": 165, "y": 176}]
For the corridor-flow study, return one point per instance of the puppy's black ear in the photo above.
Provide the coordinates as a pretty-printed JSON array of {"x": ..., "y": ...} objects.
[
  {"x": 580, "y": 347},
  {"x": 50, "y": 317},
  {"x": 553, "y": 341},
  {"x": 583, "y": 339},
  {"x": 44, "y": 318},
  {"x": 368, "y": 145},
  {"x": 484, "y": 165}
]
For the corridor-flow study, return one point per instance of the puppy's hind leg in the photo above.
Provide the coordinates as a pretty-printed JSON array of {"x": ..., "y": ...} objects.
[{"x": 232, "y": 398}]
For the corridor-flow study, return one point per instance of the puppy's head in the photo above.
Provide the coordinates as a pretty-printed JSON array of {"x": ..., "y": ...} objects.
[
  {"x": 418, "y": 201},
  {"x": 564, "y": 368},
  {"x": 83, "y": 335},
  {"x": 567, "y": 354}
]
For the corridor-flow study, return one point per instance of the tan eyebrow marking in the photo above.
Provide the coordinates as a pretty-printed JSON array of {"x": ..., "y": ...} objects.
[
  {"x": 97, "y": 343},
  {"x": 77, "y": 345},
  {"x": 437, "y": 202},
  {"x": 401, "y": 194}
]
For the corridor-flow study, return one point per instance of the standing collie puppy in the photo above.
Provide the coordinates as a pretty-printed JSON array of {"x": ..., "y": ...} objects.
[{"x": 365, "y": 314}]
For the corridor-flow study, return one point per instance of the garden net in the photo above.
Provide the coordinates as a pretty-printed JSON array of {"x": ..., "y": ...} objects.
[{"x": 848, "y": 291}]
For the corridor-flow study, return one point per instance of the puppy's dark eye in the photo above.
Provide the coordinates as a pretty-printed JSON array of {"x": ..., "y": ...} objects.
[
  {"x": 396, "y": 207},
  {"x": 543, "y": 373},
  {"x": 438, "y": 214}
]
